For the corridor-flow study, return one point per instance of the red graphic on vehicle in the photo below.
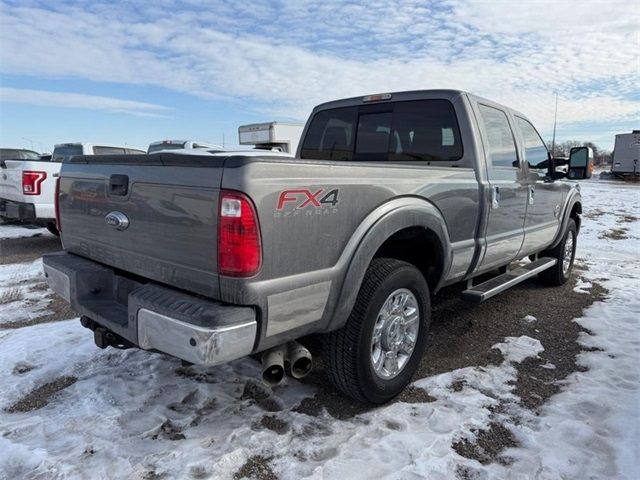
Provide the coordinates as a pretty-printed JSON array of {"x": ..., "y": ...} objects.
[{"x": 303, "y": 198}]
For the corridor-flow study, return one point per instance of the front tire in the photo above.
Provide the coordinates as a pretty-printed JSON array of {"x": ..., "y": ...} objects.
[
  {"x": 564, "y": 253},
  {"x": 373, "y": 357}
]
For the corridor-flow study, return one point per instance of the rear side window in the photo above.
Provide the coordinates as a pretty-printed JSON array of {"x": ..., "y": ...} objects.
[
  {"x": 331, "y": 135},
  {"x": 10, "y": 154},
  {"x": 16, "y": 154},
  {"x": 108, "y": 150},
  {"x": 501, "y": 150},
  {"x": 535, "y": 151},
  {"x": 422, "y": 130}
]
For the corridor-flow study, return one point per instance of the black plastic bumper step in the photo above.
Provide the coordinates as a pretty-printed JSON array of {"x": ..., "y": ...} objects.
[{"x": 498, "y": 284}]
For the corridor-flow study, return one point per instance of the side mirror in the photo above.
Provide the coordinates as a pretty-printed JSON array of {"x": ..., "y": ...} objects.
[{"x": 580, "y": 163}]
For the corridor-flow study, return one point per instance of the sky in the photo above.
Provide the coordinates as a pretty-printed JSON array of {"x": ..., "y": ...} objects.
[{"x": 136, "y": 72}]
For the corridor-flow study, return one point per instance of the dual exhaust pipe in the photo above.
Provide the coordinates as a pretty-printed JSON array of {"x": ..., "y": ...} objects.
[{"x": 293, "y": 356}]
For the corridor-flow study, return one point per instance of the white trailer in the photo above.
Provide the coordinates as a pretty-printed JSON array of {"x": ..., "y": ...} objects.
[
  {"x": 279, "y": 136},
  {"x": 626, "y": 154}
]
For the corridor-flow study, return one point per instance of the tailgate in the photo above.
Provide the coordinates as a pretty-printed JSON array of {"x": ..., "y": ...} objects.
[
  {"x": 11, "y": 180},
  {"x": 170, "y": 203}
]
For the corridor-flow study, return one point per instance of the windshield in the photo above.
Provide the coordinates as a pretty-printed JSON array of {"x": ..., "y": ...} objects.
[
  {"x": 62, "y": 152},
  {"x": 164, "y": 146},
  {"x": 420, "y": 130}
]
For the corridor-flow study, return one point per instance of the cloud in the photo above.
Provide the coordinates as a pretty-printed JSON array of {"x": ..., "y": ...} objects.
[
  {"x": 45, "y": 98},
  {"x": 285, "y": 57}
]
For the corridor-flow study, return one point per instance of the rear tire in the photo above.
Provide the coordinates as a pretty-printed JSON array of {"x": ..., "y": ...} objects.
[
  {"x": 375, "y": 354},
  {"x": 564, "y": 253}
]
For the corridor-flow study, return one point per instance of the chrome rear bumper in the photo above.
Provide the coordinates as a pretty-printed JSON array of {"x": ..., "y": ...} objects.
[
  {"x": 151, "y": 316},
  {"x": 195, "y": 344}
]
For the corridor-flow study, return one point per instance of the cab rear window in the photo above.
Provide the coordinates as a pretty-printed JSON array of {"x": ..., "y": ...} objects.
[
  {"x": 165, "y": 146},
  {"x": 421, "y": 130},
  {"x": 63, "y": 152},
  {"x": 108, "y": 150}
]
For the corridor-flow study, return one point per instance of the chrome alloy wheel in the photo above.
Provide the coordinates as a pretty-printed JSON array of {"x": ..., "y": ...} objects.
[
  {"x": 395, "y": 333},
  {"x": 567, "y": 255}
]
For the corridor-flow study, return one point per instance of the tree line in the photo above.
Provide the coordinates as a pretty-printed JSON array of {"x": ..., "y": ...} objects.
[{"x": 562, "y": 149}]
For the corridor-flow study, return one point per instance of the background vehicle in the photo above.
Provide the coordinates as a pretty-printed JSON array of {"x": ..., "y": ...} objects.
[
  {"x": 278, "y": 136},
  {"x": 626, "y": 154},
  {"x": 27, "y": 186},
  {"x": 164, "y": 145},
  {"x": 392, "y": 196},
  {"x": 18, "y": 154}
]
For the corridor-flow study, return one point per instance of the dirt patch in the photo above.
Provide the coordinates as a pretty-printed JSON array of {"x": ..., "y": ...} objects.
[
  {"x": 458, "y": 385},
  {"x": 413, "y": 394},
  {"x": 41, "y": 396},
  {"x": 593, "y": 214},
  {"x": 256, "y": 468},
  {"x": 536, "y": 382},
  {"x": 19, "y": 250},
  {"x": 626, "y": 219},
  {"x": 274, "y": 424},
  {"x": 39, "y": 287},
  {"x": 186, "y": 404},
  {"x": 488, "y": 444},
  {"x": 11, "y": 295},
  {"x": 169, "y": 431},
  {"x": 615, "y": 234},
  {"x": 262, "y": 395},
  {"x": 21, "y": 368},
  {"x": 198, "y": 376},
  {"x": 59, "y": 308},
  {"x": 152, "y": 475}
]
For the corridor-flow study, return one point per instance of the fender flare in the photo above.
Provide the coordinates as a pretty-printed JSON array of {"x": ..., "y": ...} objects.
[
  {"x": 376, "y": 228},
  {"x": 574, "y": 197}
]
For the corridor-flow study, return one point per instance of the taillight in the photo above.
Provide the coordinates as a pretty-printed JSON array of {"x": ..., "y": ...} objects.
[
  {"x": 31, "y": 182},
  {"x": 56, "y": 204},
  {"x": 239, "y": 248}
]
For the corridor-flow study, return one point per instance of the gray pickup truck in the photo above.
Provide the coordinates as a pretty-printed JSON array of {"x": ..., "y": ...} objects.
[{"x": 390, "y": 198}]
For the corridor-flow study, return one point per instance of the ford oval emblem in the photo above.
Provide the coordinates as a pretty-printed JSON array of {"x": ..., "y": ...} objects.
[{"x": 118, "y": 220}]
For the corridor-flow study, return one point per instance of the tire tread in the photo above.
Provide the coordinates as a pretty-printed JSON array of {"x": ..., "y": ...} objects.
[{"x": 340, "y": 348}]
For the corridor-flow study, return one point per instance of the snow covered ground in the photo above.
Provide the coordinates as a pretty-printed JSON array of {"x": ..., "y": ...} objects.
[
  {"x": 20, "y": 231},
  {"x": 132, "y": 414},
  {"x": 21, "y": 292}
]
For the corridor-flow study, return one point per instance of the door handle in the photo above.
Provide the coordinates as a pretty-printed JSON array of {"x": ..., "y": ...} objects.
[
  {"x": 495, "y": 197},
  {"x": 532, "y": 191},
  {"x": 118, "y": 185}
]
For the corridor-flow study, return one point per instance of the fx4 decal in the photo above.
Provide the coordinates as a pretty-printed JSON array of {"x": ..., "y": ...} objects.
[{"x": 303, "y": 198}]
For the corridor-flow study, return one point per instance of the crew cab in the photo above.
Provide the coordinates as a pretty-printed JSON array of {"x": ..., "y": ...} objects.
[
  {"x": 27, "y": 182},
  {"x": 390, "y": 198}
]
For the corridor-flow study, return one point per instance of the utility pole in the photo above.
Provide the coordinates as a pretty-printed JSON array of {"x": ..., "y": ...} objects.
[
  {"x": 555, "y": 120},
  {"x": 29, "y": 140}
]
